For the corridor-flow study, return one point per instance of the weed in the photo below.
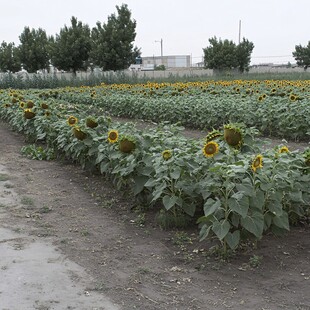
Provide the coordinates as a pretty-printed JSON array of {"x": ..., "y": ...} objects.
[
  {"x": 181, "y": 238},
  {"x": 45, "y": 209},
  {"x": 84, "y": 233},
  {"x": 27, "y": 201},
  {"x": 255, "y": 261},
  {"x": 4, "y": 177},
  {"x": 8, "y": 185}
]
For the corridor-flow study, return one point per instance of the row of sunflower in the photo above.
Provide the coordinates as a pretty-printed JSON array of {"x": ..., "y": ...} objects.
[
  {"x": 227, "y": 182},
  {"x": 276, "y": 108}
]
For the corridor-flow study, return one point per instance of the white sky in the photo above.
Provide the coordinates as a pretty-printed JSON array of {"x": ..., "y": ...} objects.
[{"x": 274, "y": 26}]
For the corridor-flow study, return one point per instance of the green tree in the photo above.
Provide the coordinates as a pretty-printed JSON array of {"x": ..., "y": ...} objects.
[
  {"x": 243, "y": 54},
  {"x": 71, "y": 47},
  {"x": 113, "y": 41},
  {"x": 302, "y": 55},
  {"x": 9, "y": 58},
  {"x": 220, "y": 54},
  {"x": 226, "y": 55},
  {"x": 34, "y": 49}
]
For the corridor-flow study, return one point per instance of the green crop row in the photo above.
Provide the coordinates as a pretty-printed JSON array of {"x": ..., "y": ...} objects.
[{"x": 227, "y": 183}]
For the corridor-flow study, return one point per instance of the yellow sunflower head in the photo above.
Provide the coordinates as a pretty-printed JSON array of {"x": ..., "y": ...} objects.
[
  {"x": 167, "y": 154},
  {"x": 257, "y": 162},
  {"x": 72, "y": 120},
  {"x": 22, "y": 104},
  {"x": 113, "y": 136},
  {"x": 284, "y": 149},
  {"x": 210, "y": 149},
  {"x": 293, "y": 97}
]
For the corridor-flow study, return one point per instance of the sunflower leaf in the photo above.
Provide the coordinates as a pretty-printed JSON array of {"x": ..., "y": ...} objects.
[{"x": 169, "y": 201}]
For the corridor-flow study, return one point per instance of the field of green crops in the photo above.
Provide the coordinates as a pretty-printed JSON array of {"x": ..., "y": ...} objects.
[{"x": 226, "y": 182}]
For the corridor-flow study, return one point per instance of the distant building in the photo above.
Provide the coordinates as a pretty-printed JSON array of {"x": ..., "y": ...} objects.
[{"x": 173, "y": 61}]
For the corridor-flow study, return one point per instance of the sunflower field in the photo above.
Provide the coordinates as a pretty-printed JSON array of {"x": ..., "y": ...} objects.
[{"x": 227, "y": 183}]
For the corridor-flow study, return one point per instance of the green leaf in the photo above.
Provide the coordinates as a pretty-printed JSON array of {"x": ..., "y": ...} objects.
[
  {"x": 259, "y": 199},
  {"x": 233, "y": 239},
  {"x": 189, "y": 208},
  {"x": 169, "y": 201},
  {"x": 239, "y": 204},
  {"x": 159, "y": 190},
  {"x": 282, "y": 221},
  {"x": 275, "y": 207},
  {"x": 204, "y": 232},
  {"x": 139, "y": 182},
  {"x": 150, "y": 183},
  {"x": 211, "y": 206},
  {"x": 246, "y": 187},
  {"x": 254, "y": 224},
  {"x": 296, "y": 196},
  {"x": 175, "y": 174},
  {"x": 221, "y": 228},
  {"x": 104, "y": 167},
  {"x": 265, "y": 186}
]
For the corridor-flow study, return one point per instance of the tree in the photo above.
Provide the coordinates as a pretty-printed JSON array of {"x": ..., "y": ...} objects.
[
  {"x": 302, "y": 55},
  {"x": 9, "y": 58},
  {"x": 71, "y": 47},
  {"x": 226, "y": 55},
  {"x": 243, "y": 54},
  {"x": 220, "y": 55},
  {"x": 113, "y": 42},
  {"x": 34, "y": 49}
]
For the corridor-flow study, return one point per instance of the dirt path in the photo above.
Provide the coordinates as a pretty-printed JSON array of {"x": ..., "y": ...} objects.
[{"x": 81, "y": 220}]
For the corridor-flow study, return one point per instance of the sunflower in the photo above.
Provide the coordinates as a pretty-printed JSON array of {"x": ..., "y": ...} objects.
[
  {"x": 44, "y": 105},
  {"x": 233, "y": 135},
  {"x": 293, "y": 97},
  {"x": 30, "y": 104},
  {"x": 91, "y": 122},
  {"x": 213, "y": 135},
  {"x": 127, "y": 144},
  {"x": 47, "y": 114},
  {"x": 113, "y": 136},
  {"x": 260, "y": 98},
  {"x": 167, "y": 154},
  {"x": 72, "y": 120},
  {"x": 22, "y": 104},
  {"x": 210, "y": 149},
  {"x": 78, "y": 133},
  {"x": 284, "y": 149},
  {"x": 28, "y": 114},
  {"x": 257, "y": 162}
]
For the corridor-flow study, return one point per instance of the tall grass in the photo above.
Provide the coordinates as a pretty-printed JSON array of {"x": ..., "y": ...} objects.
[{"x": 39, "y": 81}]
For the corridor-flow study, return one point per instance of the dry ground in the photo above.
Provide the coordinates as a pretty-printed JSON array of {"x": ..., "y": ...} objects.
[{"x": 135, "y": 263}]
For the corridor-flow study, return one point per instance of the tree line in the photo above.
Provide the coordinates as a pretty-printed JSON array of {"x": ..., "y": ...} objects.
[
  {"x": 76, "y": 47},
  {"x": 110, "y": 46}
]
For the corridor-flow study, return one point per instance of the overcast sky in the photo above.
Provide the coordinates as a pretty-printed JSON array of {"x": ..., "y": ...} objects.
[{"x": 274, "y": 26}]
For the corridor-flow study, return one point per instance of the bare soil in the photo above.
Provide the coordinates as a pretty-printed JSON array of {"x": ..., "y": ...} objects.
[{"x": 135, "y": 263}]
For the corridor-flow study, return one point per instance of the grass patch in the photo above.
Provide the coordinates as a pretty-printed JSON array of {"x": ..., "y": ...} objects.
[
  {"x": 27, "y": 201},
  {"x": 4, "y": 177}
]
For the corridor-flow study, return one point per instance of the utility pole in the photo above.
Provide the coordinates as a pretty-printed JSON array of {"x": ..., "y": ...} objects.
[
  {"x": 161, "y": 49},
  {"x": 239, "y": 31}
]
